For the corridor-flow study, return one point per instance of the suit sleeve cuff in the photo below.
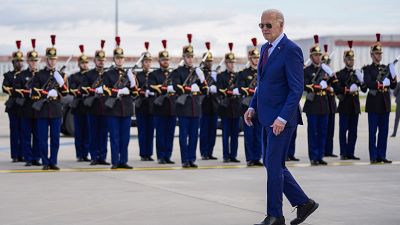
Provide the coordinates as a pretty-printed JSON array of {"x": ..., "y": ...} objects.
[{"x": 282, "y": 120}]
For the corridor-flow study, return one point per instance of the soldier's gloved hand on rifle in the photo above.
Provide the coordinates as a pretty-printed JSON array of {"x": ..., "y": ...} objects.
[
  {"x": 327, "y": 69},
  {"x": 360, "y": 75},
  {"x": 323, "y": 84},
  {"x": 236, "y": 91},
  {"x": 353, "y": 88},
  {"x": 123, "y": 91},
  {"x": 52, "y": 94},
  {"x": 392, "y": 70},
  {"x": 213, "y": 89},
  {"x": 194, "y": 88},
  {"x": 131, "y": 78},
  {"x": 386, "y": 82},
  {"x": 148, "y": 93},
  {"x": 170, "y": 89},
  {"x": 214, "y": 76},
  {"x": 200, "y": 74},
  {"x": 99, "y": 90},
  {"x": 59, "y": 79}
]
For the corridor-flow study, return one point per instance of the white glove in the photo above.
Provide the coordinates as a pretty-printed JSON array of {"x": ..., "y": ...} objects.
[
  {"x": 353, "y": 88},
  {"x": 200, "y": 74},
  {"x": 195, "y": 88},
  {"x": 170, "y": 89},
  {"x": 323, "y": 84},
  {"x": 99, "y": 90},
  {"x": 327, "y": 69},
  {"x": 213, "y": 89},
  {"x": 392, "y": 70},
  {"x": 123, "y": 91},
  {"x": 52, "y": 94},
  {"x": 386, "y": 82},
  {"x": 331, "y": 89},
  {"x": 236, "y": 91},
  {"x": 149, "y": 93},
  {"x": 360, "y": 75},
  {"x": 58, "y": 78},
  {"x": 131, "y": 78},
  {"x": 214, "y": 75}
]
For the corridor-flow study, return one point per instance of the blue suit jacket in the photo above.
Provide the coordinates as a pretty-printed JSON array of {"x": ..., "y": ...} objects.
[{"x": 280, "y": 85}]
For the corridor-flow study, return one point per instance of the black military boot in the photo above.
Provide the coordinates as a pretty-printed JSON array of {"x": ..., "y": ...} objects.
[{"x": 304, "y": 211}]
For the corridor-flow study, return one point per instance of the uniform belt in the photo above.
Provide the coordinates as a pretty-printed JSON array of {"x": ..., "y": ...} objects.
[
  {"x": 321, "y": 93},
  {"x": 383, "y": 90}
]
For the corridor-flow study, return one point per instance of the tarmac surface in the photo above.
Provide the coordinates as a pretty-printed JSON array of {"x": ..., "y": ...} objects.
[{"x": 349, "y": 192}]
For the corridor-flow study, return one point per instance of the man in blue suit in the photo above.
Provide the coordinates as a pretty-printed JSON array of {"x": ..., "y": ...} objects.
[{"x": 276, "y": 100}]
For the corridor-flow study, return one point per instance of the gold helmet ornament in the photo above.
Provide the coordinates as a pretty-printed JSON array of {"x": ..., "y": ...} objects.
[
  {"x": 188, "y": 49},
  {"x": 325, "y": 57},
  {"x": 51, "y": 52},
  {"x": 377, "y": 47},
  {"x": 146, "y": 54},
  {"x": 82, "y": 58},
  {"x": 230, "y": 56},
  {"x": 349, "y": 53},
  {"x": 254, "y": 53},
  {"x": 118, "y": 52},
  {"x": 101, "y": 54},
  {"x": 18, "y": 55},
  {"x": 32, "y": 55},
  {"x": 315, "y": 49},
  {"x": 164, "y": 53},
  {"x": 209, "y": 57}
]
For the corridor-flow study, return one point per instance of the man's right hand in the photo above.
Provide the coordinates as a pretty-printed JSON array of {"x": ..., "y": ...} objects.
[{"x": 248, "y": 116}]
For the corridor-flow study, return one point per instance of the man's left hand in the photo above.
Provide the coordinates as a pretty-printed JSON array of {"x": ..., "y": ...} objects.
[{"x": 277, "y": 127}]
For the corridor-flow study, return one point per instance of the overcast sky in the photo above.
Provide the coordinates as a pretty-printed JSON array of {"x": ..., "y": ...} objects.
[{"x": 218, "y": 21}]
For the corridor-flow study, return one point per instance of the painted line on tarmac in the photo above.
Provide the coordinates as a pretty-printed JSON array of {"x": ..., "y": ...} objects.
[{"x": 180, "y": 168}]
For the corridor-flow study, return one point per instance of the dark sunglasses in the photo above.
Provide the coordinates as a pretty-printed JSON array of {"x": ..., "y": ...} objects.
[{"x": 266, "y": 25}]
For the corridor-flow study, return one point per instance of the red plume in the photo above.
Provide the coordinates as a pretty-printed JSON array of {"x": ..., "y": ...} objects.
[
  {"x": 189, "y": 37},
  {"x": 33, "y": 41},
  {"x": 118, "y": 40},
  {"x": 18, "y": 44},
  {"x": 326, "y": 48},
  {"x": 102, "y": 43},
  {"x": 350, "y": 43},
  {"x": 53, "y": 39},
  {"x": 82, "y": 48},
  {"x": 164, "y": 43},
  {"x": 208, "y": 45},
  {"x": 230, "y": 45},
  {"x": 378, "y": 37},
  {"x": 316, "y": 39},
  {"x": 254, "y": 41},
  {"x": 146, "y": 45}
]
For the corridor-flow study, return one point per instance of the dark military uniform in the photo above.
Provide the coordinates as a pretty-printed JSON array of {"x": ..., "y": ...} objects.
[
  {"x": 230, "y": 111},
  {"x": 247, "y": 82},
  {"x": 144, "y": 117},
  {"x": 77, "y": 84},
  {"x": 163, "y": 110}
]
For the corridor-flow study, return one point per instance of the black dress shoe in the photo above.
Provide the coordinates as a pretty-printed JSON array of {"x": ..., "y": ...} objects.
[
  {"x": 212, "y": 157},
  {"x": 36, "y": 163},
  {"x": 144, "y": 159},
  {"x": 93, "y": 163},
  {"x": 193, "y": 165},
  {"x": 226, "y": 160},
  {"x": 20, "y": 159},
  {"x": 168, "y": 161},
  {"x": 125, "y": 166},
  {"x": 205, "y": 158},
  {"x": 162, "y": 161},
  {"x": 314, "y": 163},
  {"x": 258, "y": 163},
  {"x": 150, "y": 159},
  {"x": 270, "y": 220},
  {"x": 304, "y": 211},
  {"x": 86, "y": 159},
  {"x": 186, "y": 165},
  {"x": 79, "y": 159},
  {"x": 235, "y": 160},
  {"x": 14, "y": 160},
  {"x": 114, "y": 167},
  {"x": 322, "y": 162},
  {"x": 28, "y": 164},
  {"x": 250, "y": 163},
  {"x": 45, "y": 167},
  {"x": 343, "y": 157},
  {"x": 353, "y": 157},
  {"x": 331, "y": 155},
  {"x": 393, "y": 135},
  {"x": 386, "y": 161},
  {"x": 54, "y": 167},
  {"x": 374, "y": 162},
  {"x": 103, "y": 162},
  {"x": 293, "y": 159}
]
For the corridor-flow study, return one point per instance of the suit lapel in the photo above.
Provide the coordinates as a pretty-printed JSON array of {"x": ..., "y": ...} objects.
[{"x": 277, "y": 50}]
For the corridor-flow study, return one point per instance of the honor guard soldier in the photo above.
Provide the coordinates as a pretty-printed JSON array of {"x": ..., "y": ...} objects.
[
  {"x": 230, "y": 109},
  {"x": 78, "y": 89},
  {"x": 163, "y": 107},
  {"x": 316, "y": 106},
  {"x": 22, "y": 86},
  {"x": 350, "y": 81},
  {"x": 330, "y": 93},
  {"x": 47, "y": 86},
  {"x": 379, "y": 79},
  {"x": 94, "y": 103},
  {"x": 209, "y": 109},
  {"x": 118, "y": 86},
  {"x": 144, "y": 117},
  {"x": 12, "y": 107},
  {"x": 247, "y": 83},
  {"x": 189, "y": 83}
]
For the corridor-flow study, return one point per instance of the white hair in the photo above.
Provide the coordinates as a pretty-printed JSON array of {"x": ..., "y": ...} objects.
[{"x": 278, "y": 14}]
